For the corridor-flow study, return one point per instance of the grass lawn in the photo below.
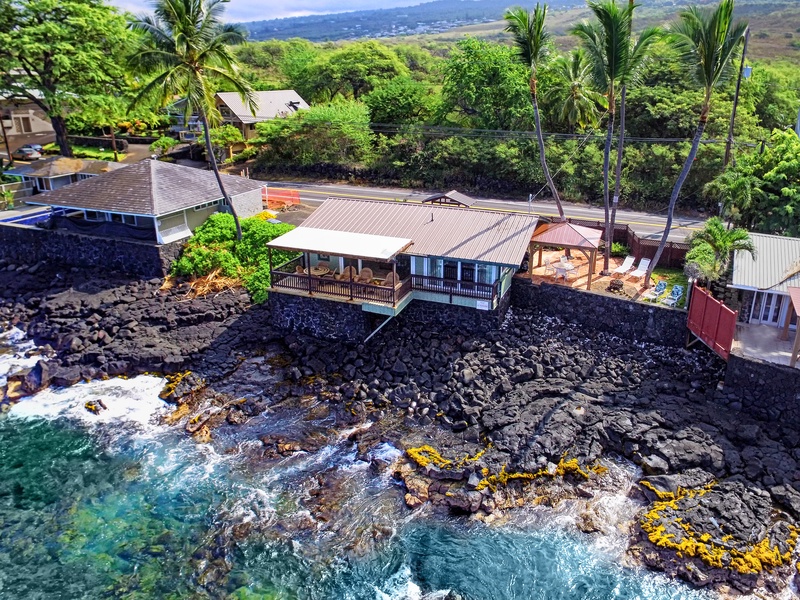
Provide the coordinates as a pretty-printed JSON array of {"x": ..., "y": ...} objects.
[
  {"x": 673, "y": 277},
  {"x": 86, "y": 152}
]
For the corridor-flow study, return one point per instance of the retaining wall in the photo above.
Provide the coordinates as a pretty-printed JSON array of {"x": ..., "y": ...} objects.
[
  {"x": 29, "y": 245},
  {"x": 320, "y": 318},
  {"x": 452, "y": 316},
  {"x": 767, "y": 391},
  {"x": 627, "y": 319}
]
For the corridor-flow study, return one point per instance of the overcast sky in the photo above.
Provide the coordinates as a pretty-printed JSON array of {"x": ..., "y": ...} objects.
[{"x": 257, "y": 10}]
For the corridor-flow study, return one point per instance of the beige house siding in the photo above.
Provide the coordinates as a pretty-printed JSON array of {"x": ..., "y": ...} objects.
[{"x": 27, "y": 118}]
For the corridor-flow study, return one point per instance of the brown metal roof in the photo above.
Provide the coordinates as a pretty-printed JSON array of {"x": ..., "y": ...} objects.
[
  {"x": 149, "y": 187},
  {"x": 447, "y": 232},
  {"x": 58, "y": 166},
  {"x": 566, "y": 234},
  {"x": 453, "y": 195}
]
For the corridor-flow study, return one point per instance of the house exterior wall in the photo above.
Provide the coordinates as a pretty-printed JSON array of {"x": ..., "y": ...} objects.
[
  {"x": 195, "y": 218},
  {"x": 24, "y": 119},
  {"x": 248, "y": 204}
]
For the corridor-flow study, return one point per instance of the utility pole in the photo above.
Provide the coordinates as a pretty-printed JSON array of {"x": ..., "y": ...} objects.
[{"x": 729, "y": 142}]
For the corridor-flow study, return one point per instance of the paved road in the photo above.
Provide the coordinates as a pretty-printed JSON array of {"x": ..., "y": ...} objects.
[{"x": 646, "y": 225}]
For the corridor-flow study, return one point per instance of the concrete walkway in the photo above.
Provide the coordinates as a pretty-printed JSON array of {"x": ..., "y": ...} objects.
[{"x": 762, "y": 342}]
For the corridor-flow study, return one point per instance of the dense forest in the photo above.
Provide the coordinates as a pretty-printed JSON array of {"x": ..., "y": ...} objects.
[{"x": 443, "y": 116}]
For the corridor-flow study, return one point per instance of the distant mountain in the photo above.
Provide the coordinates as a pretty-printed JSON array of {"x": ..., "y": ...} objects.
[
  {"x": 429, "y": 17},
  {"x": 443, "y": 15}
]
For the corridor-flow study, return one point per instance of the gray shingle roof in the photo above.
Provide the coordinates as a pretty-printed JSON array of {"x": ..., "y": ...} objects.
[
  {"x": 775, "y": 268},
  {"x": 149, "y": 187},
  {"x": 448, "y": 232},
  {"x": 276, "y": 103}
]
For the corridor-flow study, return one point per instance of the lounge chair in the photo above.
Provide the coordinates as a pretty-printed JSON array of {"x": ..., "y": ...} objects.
[
  {"x": 674, "y": 296},
  {"x": 655, "y": 293},
  {"x": 641, "y": 269},
  {"x": 365, "y": 276},
  {"x": 548, "y": 268},
  {"x": 626, "y": 266}
]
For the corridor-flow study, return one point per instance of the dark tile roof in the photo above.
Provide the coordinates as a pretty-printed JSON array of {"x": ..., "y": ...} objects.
[{"x": 149, "y": 187}]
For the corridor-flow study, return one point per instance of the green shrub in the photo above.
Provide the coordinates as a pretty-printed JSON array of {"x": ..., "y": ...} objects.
[
  {"x": 213, "y": 246},
  {"x": 244, "y": 155},
  {"x": 618, "y": 249}
]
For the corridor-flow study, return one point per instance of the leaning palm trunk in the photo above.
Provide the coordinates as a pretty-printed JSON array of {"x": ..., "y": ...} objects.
[
  {"x": 687, "y": 166},
  {"x": 617, "y": 174},
  {"x": 606, "y": 168},
  {"x": 540, "y": 140},
  {"x": 226, "y": 200}
]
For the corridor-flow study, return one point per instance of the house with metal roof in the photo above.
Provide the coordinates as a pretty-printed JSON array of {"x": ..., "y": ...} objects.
[
  {"x": 55, "y": 172},
  {"x": 763, "y": 281},
  {"x": 269, "y": 105},
  {"x": 451, "y": 198},
  {"x": 149, "y": 200},
  {"x": 383, "y": 255}
]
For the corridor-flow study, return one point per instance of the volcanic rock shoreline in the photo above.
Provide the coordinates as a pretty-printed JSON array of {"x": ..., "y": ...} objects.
[{"x": 528, "y": 414}]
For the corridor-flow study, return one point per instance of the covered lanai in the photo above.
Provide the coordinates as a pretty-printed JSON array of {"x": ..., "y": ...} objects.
[{"x": 566, "y": 235}]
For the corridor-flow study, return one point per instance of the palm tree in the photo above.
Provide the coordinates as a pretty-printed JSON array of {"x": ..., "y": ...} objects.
[
  {"x": 579, "y": 102},
  {"x": 707, "y": 41},
  {"x": 712, "y": 247},
  {"x": 735, "y": 191},
  {"x": 615, "y": 61},
  {"x": 183, "y": 45},
  {"x": 531, "y": 42}
]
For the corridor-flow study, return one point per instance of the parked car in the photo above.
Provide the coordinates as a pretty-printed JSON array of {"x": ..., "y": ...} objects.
[
  {"x": 37, "y": 147},
  {"x": 25, "y": 154}
]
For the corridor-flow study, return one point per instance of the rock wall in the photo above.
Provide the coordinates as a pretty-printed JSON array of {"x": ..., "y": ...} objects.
[
  {"x": 766, "y": 391},
  {"x": 624, "y": 318},
  {"x": 451, "y": 316},
  {"x": 30, "y": 245},
  {"x": 324, "y": 319}
]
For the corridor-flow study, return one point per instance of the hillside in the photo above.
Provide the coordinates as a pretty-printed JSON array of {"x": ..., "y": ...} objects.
[{"x": 776, "y": 24}]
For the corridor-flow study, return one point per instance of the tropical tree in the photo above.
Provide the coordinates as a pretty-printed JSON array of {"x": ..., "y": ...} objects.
[
  {"x": 615, "y": 62},
  {"x": 57, "y": 53},
  {"x": 531, "y": 41},
  {"x": 183, "y": 45},
  {"x": 707, "y": 41},
  {"x": 712, "y": 247},
  {"x": 573, "y": 91}
]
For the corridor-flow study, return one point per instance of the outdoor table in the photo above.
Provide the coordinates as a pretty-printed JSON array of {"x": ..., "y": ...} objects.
[{"x": 320, "y": 271}]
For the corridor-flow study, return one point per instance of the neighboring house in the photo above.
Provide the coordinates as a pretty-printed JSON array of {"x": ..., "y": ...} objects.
[
  {"x": 451, "y": 198},
  {"x": 763, "y": 282},
  {"x": 382, "y": 255},
  {"x": 270, "y": 105},
  {"x": 48, "y": 174},
  {"x": 149, "y": 200},
  {"x": 19, "y": 117}
]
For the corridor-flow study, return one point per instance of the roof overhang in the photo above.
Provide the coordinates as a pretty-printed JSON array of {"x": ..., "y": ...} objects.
[{"x": 341, "y": 243}]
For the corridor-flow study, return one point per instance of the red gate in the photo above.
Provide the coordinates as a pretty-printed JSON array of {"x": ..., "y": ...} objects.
[{"x": 712, "y": 322}]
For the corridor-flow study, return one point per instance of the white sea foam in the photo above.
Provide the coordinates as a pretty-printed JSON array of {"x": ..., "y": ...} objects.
[
  {"x": 13, "y": 347},
  {"x": 132, "y": 400}
]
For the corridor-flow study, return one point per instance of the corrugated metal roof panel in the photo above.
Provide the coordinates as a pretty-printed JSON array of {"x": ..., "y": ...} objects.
[
  {"x": 567, "y": 234},
  {"x": 341, "y": 243},
  {"x": 149, "y": 187},
  {"x": 269, "y": 105},
  {"x": 775, "y": 268},
  {"x": 452, "y": 195},
  {"x": 448, "y": 232}
]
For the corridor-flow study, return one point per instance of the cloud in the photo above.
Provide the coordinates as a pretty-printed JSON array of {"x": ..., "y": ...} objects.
[{"x": 258, "y": 10}]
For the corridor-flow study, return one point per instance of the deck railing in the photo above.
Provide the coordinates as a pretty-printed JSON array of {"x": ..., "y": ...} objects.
[{"x": 286, "y": 276}]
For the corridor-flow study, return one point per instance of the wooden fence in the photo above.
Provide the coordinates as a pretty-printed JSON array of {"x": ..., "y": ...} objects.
[{"x": 712, "y": 322}]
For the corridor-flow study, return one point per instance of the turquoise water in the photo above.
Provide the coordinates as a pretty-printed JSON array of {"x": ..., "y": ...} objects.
[{"x": 117, "y": 506}]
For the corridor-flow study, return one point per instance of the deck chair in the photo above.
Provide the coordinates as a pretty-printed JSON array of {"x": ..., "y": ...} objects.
[
  {"x": 299, "y": 269},
  {"x": 626, "y": 266},
  {"x": 655, "y": 293},
  {"x": 389, "y": 281},
  {"x": 548, "y": 267},
  {"x": 347, "y": 272},
  {"x": 365, "y": 276},
  {"x": 674, "y": 296},
  {"x": 641, "y": 269}
]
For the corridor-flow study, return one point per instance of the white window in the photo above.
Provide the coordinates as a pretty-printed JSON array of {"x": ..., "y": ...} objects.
[
  {"x": 115, "y": 218},
  {"x": 485, "y": 273},
  {"x": 206, "y": 205},
  {"x": 93, "y": 215},
  {"x": 129, "y": 219},
  {"x": 418, "y": 265}
]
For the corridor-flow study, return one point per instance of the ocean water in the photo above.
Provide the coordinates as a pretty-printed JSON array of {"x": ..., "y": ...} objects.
[{"x": 118, "y": 506}]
